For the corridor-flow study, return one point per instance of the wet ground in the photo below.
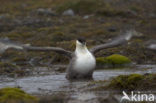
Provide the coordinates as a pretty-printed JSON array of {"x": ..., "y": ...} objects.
[{"x": 47, "y": 83}]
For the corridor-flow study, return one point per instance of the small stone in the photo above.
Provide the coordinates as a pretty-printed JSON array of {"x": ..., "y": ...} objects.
[
  {"x": 68, "y": 12},
  {"x": 86, "y": 17}
]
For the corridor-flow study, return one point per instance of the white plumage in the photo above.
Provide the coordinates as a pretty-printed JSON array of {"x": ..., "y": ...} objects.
[{"x": 85, "y": 61}]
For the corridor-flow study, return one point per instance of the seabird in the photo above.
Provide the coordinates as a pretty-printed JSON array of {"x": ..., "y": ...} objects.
[{"x": 82, "y": 60}]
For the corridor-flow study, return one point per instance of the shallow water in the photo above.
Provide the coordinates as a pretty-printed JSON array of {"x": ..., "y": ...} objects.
[{"x": 56, "y": 82}]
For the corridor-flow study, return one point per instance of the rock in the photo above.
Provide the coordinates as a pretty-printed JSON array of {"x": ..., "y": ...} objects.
[
  {"x": 86, "y": 17},
  {"x": 45, "y": 12},
  {"x": 69, "y": 12}
]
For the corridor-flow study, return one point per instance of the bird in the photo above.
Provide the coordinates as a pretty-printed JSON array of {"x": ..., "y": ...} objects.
[{"x": 82, "y": 61}]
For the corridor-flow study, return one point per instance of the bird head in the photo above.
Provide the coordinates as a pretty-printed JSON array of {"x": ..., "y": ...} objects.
[{"x": 81, "y": 42}]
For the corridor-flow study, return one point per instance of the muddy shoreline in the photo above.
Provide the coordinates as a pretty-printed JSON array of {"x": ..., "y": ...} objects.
[
  {"x": 49, "y": 81},
  {"x": 50, "y": 84}
]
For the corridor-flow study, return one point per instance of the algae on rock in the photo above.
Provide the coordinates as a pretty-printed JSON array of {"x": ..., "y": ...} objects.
[
  {"x": 113, "y": 61},
  {"x": 15, "y": 95}
]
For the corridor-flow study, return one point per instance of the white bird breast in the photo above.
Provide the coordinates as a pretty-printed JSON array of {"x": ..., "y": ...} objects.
[{"x": 84, "y": 62}]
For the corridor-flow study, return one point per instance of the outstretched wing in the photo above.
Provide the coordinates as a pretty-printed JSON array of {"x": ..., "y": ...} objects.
[
  {"x": 7, "y": 44},
  {"x": 152, "y": 47},
  {"x": 46, "y": 49},
  {"x": 122, "y": 39}
]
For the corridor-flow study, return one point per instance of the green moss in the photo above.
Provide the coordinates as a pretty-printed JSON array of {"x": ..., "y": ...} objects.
[
  {"x": 128, "y": 82},
  {"x": 21, "y": 35},
  {"x": 15, "y": 95},
  {"x": 133, "y": 81},
  {"x": 101, "y": 61},
  {"x": 118, "y": 59},
  {"x": 114, "y": 60},
  {"x": 94, "y": 32},
  {"x": 135, "y": 8},
  {"x": 44, "y": 29},
  {"x": 58, "y": 36},
  {"x": 19, "y": 59},
  {"x": 109, "y": 10},
  {"x": 90, "y": 6}
]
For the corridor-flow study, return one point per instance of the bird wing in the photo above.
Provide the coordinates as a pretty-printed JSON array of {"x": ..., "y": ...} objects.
[
  {"x": 7, "y": 44},
  {"x": 48, "y": 49},
  {"x": 121, "y": 39},
  {"x": 152, "y": 46}
]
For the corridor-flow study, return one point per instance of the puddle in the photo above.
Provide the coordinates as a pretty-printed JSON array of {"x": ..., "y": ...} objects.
[{"x": 57, "y": 82}]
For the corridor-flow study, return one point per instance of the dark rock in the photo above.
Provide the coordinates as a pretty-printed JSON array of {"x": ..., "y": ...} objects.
[{"x": 112, "y": 29}]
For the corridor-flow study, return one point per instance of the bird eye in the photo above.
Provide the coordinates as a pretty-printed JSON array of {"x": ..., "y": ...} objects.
[{"x": 81, "y": 40}]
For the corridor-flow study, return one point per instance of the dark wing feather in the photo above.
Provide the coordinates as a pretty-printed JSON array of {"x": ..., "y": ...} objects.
[
  {"x": 48, "y": 49},
  {"x": 7, "y": 44},
  {"x": 122, "y": 39}
]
